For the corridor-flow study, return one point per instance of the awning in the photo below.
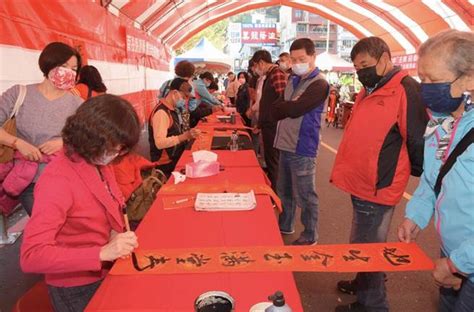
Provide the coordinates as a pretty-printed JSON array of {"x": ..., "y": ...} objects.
[
  {"x": 403, "y": 24},
  {"x": 332, "y": 62},
  {"x": 206, "y": 57}
]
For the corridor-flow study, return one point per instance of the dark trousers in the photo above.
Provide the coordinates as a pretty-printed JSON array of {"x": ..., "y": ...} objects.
[
  {"x": 370, "y": 224},
  {"x": 27, "y": 199},
  {"x": 167, "y": 168},
  {"x": 461, "y": 300},
  {"x": 271, "y": 154},
  {"x": 72, "y": 299}
]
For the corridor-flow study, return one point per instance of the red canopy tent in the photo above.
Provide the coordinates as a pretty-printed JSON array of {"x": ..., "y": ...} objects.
[
  {"x": 331, "y": 62},
  {"x": 206, "y": 57},
  {"x": 130, "y": 41}
]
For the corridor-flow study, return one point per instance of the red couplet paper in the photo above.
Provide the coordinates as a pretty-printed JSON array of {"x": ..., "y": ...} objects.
[{"x": 318, "y": 258}]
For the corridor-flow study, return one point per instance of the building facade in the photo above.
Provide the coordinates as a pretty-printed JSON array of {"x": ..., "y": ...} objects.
[{"x": 326, "y": 35}]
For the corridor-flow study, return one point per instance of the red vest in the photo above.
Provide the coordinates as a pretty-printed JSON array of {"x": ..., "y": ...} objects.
[{"x": 356, "y": 169}]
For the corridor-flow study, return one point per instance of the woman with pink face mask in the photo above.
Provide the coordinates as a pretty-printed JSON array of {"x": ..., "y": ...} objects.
[
  {"x": 44, "y": 111},
  {"x": 77, "y": 226}
]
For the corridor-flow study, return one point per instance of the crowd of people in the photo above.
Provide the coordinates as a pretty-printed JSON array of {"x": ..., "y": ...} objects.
[{"x": 399, "y": 127}]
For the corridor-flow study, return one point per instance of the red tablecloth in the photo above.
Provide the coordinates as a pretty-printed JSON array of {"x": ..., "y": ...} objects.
[
  {"x": 244, "y": 158},
  {"x": 181, "y": 228},
  {"x": 213, "y": 122}
]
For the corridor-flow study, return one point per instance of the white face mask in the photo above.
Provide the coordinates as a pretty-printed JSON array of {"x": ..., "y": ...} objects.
[
  {"x": 283, "y": 66},
  {"x": 301, "y": 69},
  {"x": 105, "y": 159}
]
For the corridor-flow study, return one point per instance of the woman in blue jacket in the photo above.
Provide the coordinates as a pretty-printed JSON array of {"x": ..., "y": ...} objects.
[{"x": 446, "y": 70}]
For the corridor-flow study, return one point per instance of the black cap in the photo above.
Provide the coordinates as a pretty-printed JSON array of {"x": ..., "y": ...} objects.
[{"x": 277, "y": 298}]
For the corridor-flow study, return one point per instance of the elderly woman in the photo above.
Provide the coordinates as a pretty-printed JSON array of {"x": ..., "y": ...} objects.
[
  {"x": 77, "y": 223},
  {"x": 446, "y": 70},
  {"x": 44, "y": 110}
]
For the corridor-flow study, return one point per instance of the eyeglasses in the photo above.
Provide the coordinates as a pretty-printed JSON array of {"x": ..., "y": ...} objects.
[{"x": 118, "y": 152}]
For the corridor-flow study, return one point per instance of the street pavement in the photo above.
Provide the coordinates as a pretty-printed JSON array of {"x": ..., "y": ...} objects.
[{"x": 407, "y": 291}]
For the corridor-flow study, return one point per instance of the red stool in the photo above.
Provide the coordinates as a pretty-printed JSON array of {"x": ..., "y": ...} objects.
[{"x": 36, "y": 299}]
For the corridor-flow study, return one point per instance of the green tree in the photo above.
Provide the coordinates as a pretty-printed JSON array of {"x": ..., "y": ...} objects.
[
  {"x": 215, "y": 33},
  {"x": 244, "y": 18}
]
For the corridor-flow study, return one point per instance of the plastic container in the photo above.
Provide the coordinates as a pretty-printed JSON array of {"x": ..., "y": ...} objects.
[
  {"x": 279, "y": 304},
  {"x": 234, "y": 141},
  {"x": 214, "y": 301}
]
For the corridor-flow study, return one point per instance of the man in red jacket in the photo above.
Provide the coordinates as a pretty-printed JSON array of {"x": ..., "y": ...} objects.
[{"x": 381, "y": 146}]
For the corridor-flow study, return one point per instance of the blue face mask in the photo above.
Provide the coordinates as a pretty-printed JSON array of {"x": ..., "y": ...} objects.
[
  {"x": 180, "y": 104},
  {"x": 437, "y": 97}
]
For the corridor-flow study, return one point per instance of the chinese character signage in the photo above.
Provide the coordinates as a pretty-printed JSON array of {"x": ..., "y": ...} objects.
[
  {"x": 320, "y": 258},
  {"x": 259, "y": 33},
  {"x": 139, "y": 44},
  {"x": 407, "y": 61},
  {"x": 234, "y": 31}
]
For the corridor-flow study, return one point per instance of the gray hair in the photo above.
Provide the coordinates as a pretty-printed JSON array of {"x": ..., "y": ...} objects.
[{"x": 455, "y": 47}]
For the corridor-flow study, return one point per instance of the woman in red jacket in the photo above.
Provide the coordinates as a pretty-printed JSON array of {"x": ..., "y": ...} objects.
[{"x": 77, "y": 226}]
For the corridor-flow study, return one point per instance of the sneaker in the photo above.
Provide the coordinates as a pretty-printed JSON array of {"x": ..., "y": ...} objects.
[
  {"x": 347, "y": 287},
  {"x": 350, "y": 287},
  {"x": 287, "y": 232},
  {"x": 351, "y": 307},
  {"x": 304, "y": 241}
]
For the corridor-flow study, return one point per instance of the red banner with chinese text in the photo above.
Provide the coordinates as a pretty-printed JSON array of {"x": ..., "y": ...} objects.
[
  {"x": 407, "y": 61},
  {"x": 140, "y": 46},
  {"x": 259, "y": 33},
  {"x": 318, "y": 258}
]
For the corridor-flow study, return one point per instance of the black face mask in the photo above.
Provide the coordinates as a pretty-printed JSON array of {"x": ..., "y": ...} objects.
[{"x": 368, "y": 76}]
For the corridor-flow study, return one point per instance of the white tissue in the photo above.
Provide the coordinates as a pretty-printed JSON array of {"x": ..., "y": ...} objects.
[
  {"x": 178, "y": 177},
  {"x": 204, "y": 156}
]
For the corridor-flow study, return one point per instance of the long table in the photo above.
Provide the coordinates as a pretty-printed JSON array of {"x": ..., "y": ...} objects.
[
  {"x": 239, "y": 159},
  {"x": 187, "y": 228}
]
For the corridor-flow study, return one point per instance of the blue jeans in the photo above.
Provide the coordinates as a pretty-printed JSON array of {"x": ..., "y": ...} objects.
[
  {"x": 27, "y": 199},
  {"x": 461, "y": 300},
  {"x": 72, "y": 299},
  {"x": 370, "y": 224},
  {"x": 297, "y": 186}
]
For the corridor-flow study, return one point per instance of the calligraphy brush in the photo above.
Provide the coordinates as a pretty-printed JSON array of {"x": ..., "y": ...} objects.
[
  {"x": 127, "y": 228},
  {"x": 125, "y": 218}
]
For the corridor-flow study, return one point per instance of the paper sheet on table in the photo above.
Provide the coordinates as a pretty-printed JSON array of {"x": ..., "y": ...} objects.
[
  {"x": 222, "y": 117},
  {"x": 225, "y": 201}
]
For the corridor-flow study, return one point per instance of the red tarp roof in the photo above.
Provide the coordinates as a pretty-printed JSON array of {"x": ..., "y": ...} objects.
[{"x": 403, "y": 24}]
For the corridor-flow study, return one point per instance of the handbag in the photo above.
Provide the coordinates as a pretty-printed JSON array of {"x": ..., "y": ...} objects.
[
  {"x": 6, "y": 152},
  {"x": 144, "y": 195}
]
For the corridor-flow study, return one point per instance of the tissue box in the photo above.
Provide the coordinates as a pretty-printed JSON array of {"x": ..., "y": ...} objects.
[
  {"x": 230, "y": 110},
  {"x": 202, "y": 169},
  {"x": 204, "y": 156}
]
